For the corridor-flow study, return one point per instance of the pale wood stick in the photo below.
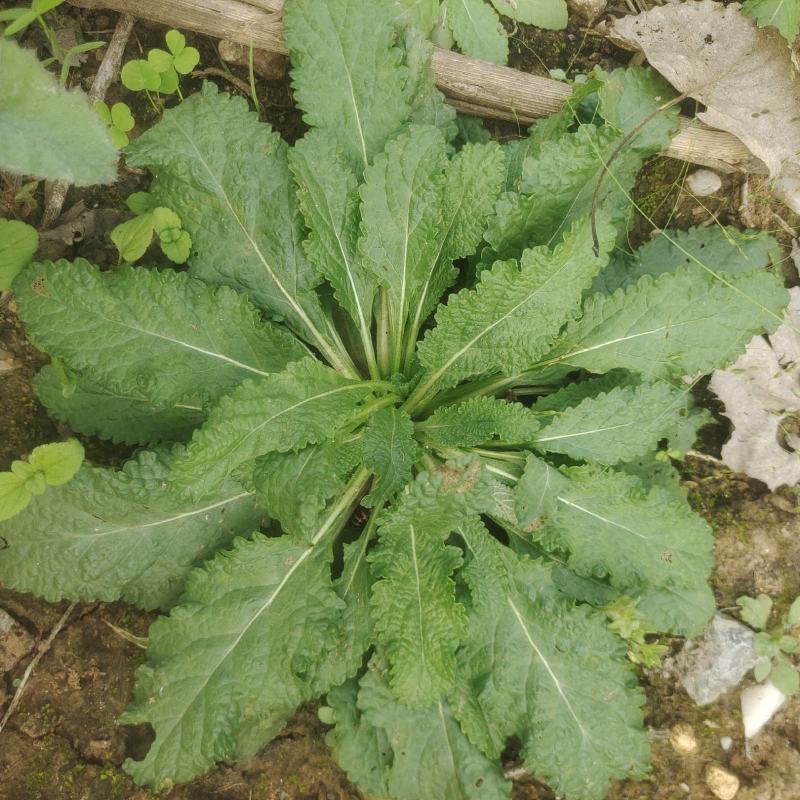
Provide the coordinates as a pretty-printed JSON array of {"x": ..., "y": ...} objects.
[
  {"x": 475, "y": 87},
  {"x": 56, "y": 192},
  {"x": 40, "y": 651}
]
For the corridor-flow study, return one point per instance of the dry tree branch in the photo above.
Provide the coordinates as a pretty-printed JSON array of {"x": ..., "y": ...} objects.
[{"x": 473, "y": 86}]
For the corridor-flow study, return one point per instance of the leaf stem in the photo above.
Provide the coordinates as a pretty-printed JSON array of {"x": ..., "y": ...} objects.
[
  {"x": 341, "y": 510},
  {"x": 252, "y": 75},
  {"x": 382, "y": 323},
  {"x": 370, "y": 408}
]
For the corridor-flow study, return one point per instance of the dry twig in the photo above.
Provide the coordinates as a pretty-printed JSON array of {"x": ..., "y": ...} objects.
[
  {"x": 476, "y": 87},
  {"x": 56, "y": 192},
  {"x": 40, "y": 651}
]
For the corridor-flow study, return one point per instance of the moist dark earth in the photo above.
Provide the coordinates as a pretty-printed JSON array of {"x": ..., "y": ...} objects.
[{"x": 62, "y": 742}]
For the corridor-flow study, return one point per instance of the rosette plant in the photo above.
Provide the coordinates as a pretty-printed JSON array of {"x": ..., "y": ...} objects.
[{"x": 405, "y": 424}]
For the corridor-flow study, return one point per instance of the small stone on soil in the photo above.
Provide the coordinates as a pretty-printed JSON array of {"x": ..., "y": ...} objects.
[
  {"x": 723, "y": 784},
  {"x": 15, "y": 642},
  {"x": 587, "y": 10},
  {"x": 682, "y": 739},
  {"x": 716, "y": 663},
  {"x": 704, "y": 182}
]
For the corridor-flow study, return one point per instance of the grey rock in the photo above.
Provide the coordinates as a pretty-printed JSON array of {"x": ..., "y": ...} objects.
[{"x": 716, "y": 663}]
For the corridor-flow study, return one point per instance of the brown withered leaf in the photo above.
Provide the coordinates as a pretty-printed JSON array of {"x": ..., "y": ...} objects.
[{"x": 743, "y": 74}]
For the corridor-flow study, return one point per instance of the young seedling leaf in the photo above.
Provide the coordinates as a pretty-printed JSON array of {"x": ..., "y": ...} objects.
[
  {"x": 755, "y": 611},
  {"x": 58, "y": 462}
]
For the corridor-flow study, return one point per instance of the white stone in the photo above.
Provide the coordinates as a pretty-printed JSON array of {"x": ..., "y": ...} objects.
[
  {"x": 787, "y": 189},
  {"x": 726, "y": 743},
  {"x": 723, "y": 784},
  {"x": 587, "y": 9},
  {"x": 682, "y": 739},
  {"x": 759, "y": 705},
  {"x": 716, "y": 663},
  {"x": 704, "y": 182}
]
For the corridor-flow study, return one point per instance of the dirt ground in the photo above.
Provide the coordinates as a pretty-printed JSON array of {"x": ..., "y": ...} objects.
[{"x": 62, "y": 742}]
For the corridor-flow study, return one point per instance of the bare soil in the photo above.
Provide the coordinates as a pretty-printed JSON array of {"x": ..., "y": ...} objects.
[{"x": 63, "y": 743}]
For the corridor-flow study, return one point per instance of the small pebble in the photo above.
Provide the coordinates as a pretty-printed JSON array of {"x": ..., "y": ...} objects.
[
  {"x": 703, "y": 182},
  {"x": 588, "y": 10},
  {"x": 723, "y": 784},
  {"x": 726, "y": 743},
  {"x": 787, "y": 189},
  {"x": 682, "y": 739}
]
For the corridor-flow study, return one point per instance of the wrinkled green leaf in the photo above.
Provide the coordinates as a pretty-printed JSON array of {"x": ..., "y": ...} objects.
[
  {"x": 477, "y": 30},
  {"x": 18, "y": 242},
  {"x": 110, "y": 535},
  {"x": 46, "y": 130},
  {"x": 549, "y": 14},
  {"x": 142, "y": 332},
  {"x": 356, "y": 38},
  {"x": 781, "y": 14}
]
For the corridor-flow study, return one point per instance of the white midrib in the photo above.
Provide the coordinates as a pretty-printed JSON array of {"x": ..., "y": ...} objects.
[
  {"x": 776, "y": 12},
  {"x": 660, "y": 329},
  {"x": 419, "y": 591},
  {"x": 348, "y": 268},
  {"x": 450, "y": 753},
  {"x": 582, "y": 433},
  {"x": 606, "y": 520},
  {"x": 96, "y": 534},
  {"x": 298, "y": 309},
  {"x": 359, "y": 125},
  {"x": 355, "y": 487},
  {"x": 434, "y": 264},
  {"x": 182, "y": 343},
  {"x": 283, "y": 411},
  {"x": 450, "y": 361},
  {"x": 545, "y": 663}
]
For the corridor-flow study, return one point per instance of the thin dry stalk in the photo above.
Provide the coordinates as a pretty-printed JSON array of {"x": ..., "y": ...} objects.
[
  {"x": 40, "y": 651},
  {"x": 56, "y": 191}
]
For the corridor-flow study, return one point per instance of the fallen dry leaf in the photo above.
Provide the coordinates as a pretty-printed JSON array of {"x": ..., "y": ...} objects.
[
  {"x": 761, "y": 392},
  {"x": 743, "y": 74}
]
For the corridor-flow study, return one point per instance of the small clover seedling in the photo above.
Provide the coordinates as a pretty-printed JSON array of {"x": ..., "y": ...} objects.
[
  {"x": 159, "y": 72},
  {"x": 133, "y": 237},
  {"x": 773, "y": 644},
  {"x": 119, "y": 119},
  {"x": 48, "y": 465}
]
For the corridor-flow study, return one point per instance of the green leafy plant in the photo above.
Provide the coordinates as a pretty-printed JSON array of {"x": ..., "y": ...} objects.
[
  {"x": 133, "y": 237},
  {"x": 47, "y": 131},
  {"x": 399, "y": 423},
  {"x": 119, "y": 119},
  {"x": 626, "y": 621},
  {"x": 48, "y": 465},
  {"x": 776, "y": 643},
  {"x": 20, "y": 18},
  {"x": 159, "y": 72},
  {"x": 18, "y": 242},
  {"x": 781, "y": 14},
  {"x": 475, "y": 26}
]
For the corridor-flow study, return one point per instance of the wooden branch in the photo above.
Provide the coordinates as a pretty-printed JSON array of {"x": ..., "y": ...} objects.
[
  {"x": 56, "y": 191},
  {"x": 475, "y": 87}
]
